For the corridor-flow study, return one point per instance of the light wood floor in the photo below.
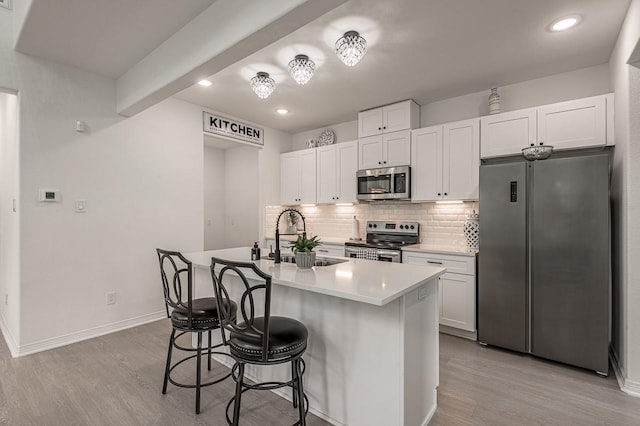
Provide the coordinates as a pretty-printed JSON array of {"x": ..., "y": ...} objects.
[{"x": 117, "y": 379}]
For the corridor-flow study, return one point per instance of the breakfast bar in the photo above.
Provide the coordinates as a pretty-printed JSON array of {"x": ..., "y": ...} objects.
[{"x": 372, "y": 354}]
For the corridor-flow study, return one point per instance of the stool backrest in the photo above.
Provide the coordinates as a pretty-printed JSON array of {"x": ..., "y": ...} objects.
[
  {"x": 176, "y": 272},
  {"x": 260, "y": 282}
]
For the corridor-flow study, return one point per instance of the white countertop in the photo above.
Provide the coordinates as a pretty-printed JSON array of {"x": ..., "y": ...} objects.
[
  {"x": 435, "y": 248},
  {"x": 361, "y": 280}
]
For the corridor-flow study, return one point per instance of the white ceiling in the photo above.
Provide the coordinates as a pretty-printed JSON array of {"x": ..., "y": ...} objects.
[{"x": 427, "y": 50}]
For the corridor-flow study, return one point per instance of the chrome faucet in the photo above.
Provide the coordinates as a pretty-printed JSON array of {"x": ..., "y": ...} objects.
[{"x": 304, "y": 231}]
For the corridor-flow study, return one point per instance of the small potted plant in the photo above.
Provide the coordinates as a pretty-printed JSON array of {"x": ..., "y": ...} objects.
[
  {"x": 292, "y": 222},
  {"x": 303, "y": 250}
]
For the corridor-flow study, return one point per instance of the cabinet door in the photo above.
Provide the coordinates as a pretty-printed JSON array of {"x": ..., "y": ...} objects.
[
  {"x": 289, "y": 178},
  {"x": 347, "y": 159},
  {"x": 370, "y": 123},
  {"x": 461, "y": 160},
  {"x": 307, "y": 176},
  {"x": 573, "y": 124},
  {"x": 370, "y": 152},
  {"x": 507, "y": 133},
  {"x": 327, "y": 175},
  {"x": 458, "y": 301},
  {"x": 426, "y": 164},
  {"x": 396, "y": 148},
  {"x": 396, "y": 117}
]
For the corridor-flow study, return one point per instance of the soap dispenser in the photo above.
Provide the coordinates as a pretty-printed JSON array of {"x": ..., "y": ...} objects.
[{"x": 255, "y": 252}]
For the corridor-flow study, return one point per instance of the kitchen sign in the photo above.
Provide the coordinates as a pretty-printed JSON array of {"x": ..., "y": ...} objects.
[{"x": 233, "y": 129}]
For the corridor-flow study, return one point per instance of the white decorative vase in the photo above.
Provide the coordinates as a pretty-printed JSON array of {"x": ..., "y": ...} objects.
[
  {"x": 494, "y": 101},
  {"x": 305, "y": 260},
  {"x": 472, "y": 230}
]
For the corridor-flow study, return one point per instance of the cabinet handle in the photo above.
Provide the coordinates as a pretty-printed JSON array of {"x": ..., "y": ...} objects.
[
  {"x": 433, "y": 262},
  {"x": 379, "y": 128},
  {"x": 384, "y": 127},
  {"x": 384, "y": 162},
  {"x": 337, "y": 198},
  {"x": 445, "y": 193},
  {"x": 323, "y": 251},
  {"x": 439, "y": 194},
  {"x": 379, "y": 162}
]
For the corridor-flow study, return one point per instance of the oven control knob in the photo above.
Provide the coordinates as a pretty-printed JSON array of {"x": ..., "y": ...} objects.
[
  {"x": 401, "y": 226},
  {"x": 412, "y": 226},
  {"x": 375, "y": 225},
  {"x": 370, "y": 226}
]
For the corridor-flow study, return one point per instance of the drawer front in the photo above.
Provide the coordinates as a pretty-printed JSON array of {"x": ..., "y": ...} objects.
[
  {"x": 454, "y": 264},
  {"x": 330, "y": 249}
]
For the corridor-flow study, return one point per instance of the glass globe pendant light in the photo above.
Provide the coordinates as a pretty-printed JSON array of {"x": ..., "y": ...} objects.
[
  {"x": 302, "y": 69},
  {"x": 263, "y": 85},
  {"x": 350, "y": 48}
]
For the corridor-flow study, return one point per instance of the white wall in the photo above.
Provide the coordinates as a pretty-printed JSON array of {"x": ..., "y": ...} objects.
[
  {"x": 242, "y": 204},
  {"x": 214, "y": 198},
  {"x": 9, "y": 220},
  {"x": 345, "y": 132},
  {"x": 581, "y": 83},
  {"x": 625, "y": 81}
]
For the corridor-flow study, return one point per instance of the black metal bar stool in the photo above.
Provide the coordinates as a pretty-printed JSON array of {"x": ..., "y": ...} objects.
[
  {"x": 189, "y": 315},
  {"x": 259, "y": 340}
]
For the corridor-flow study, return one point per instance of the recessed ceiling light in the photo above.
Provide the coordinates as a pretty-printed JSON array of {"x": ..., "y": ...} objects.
[
  {"x": 565, "y": 23},
  {"x": 205, "y": 83},
  {"x": 282, "y": 111}
]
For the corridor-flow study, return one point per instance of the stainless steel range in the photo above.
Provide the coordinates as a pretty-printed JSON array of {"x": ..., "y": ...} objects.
[{"x": 384, "y": 241}]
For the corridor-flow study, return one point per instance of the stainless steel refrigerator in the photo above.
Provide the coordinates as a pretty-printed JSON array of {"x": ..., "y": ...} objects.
[{"x": 544, "y": 262}]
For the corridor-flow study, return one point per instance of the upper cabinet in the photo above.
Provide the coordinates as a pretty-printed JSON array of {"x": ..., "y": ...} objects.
[
  {"x": 298, "y": 177},
  {"x": 445, "y": 161},
  {"x": 390, "y": 118},
  {"x": 580, "y": 123},
  {"x": 336, "y": 177},
  {"x": 387, "y": 150}
]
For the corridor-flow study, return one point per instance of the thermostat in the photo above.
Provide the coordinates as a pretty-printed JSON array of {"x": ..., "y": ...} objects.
[{"x": 49, "y": 195}]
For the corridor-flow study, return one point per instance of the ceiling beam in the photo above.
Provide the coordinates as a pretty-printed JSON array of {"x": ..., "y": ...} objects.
[{"x": 226, "y": 32}]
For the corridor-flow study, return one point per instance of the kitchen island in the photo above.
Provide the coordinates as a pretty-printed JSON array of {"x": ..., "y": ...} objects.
[{"x": 372, "y": 354}]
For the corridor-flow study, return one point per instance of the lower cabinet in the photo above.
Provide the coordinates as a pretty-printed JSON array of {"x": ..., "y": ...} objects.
[{"x": 457, "y": 287}]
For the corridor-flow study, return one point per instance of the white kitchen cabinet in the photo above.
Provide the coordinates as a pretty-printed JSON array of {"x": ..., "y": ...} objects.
[
  {"x": 445, "y": 162},
  {"x": 579, "y": 123},
  {"x": 457, "y": 287},
  {"x": 298, "y": 177},
  {"x": 328, "y": 249},
  {"x": 389, "y": 118},
  {"x": 574, "y": 124},
  {"x": 336, "y": 175},
  {"x": 387, "y": 150}
]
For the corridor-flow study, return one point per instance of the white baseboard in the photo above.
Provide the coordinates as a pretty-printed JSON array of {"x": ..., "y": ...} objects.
[
  {"x": 471, "y": 335},
  {"x": 627, "y": 386},
  {"x": 89, "y": 333},
  {"x": 9, "y": 338}
]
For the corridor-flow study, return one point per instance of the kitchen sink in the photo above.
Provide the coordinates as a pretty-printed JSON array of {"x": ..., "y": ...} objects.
[{"x": 320, "y": 261}]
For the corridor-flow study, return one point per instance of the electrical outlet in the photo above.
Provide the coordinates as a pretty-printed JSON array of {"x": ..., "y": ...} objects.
[
  {"x": 422, "y": 292},
  {"x": 111, "y": 298}
]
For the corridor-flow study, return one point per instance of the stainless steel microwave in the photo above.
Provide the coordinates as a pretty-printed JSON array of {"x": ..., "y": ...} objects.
[{"x": 389, "y": 183}]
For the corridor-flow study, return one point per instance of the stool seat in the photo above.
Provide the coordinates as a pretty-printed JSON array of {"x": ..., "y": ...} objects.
[
  {"x": 287, "y": 337},
  {"x": 204, "y": 314}
]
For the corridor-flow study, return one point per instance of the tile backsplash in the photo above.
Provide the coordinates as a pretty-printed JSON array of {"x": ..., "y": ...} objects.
[{"x": 440, "y": 224}]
